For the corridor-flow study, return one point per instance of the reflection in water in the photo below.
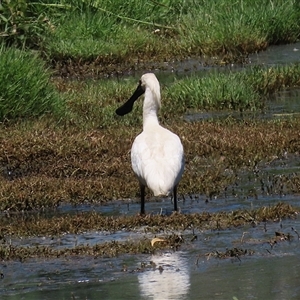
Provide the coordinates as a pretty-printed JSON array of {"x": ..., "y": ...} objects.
[{"x": 171, "y": 282}]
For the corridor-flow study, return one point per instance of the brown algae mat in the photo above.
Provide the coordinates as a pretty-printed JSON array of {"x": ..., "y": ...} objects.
[
  {"x": 43, "y": 166},
  {"x": 37, "y": 226}
]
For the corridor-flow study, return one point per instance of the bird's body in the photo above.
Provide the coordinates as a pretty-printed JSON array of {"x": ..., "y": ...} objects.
[
  {"x": 156, "y": 161},
  {"x": 157, "y": 155}
]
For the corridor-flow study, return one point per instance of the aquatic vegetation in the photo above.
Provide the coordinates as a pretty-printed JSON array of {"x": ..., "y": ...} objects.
[
  {"x": 37, "y": 225},
  {"x": 34, "y": 225},
  {"x": 77, "y": 166},
  {"x": 92, "y": 104},
  {"x": 229, "y": 253}
]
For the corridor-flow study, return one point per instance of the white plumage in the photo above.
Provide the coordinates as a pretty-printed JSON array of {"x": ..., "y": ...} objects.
[{"x": 157, "y": 155}]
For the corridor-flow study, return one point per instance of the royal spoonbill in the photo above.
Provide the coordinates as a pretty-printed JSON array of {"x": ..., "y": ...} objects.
[{"x": 157, "y": 156}]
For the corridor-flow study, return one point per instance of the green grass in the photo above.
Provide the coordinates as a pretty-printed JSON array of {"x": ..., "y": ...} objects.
[
  {"x": 126, "y": 29},
  {"x": 93, "y": 104},
  {"x": 88, "y": 35},
  {"x": 117, "y": 30},
  {"x": 244, "y": 90},
  {"x": 216, "y": 27},
  {"x": 25, "y": 86},
  {"x": 215, "y": 91},
  {"x": 26, "y": 91}
]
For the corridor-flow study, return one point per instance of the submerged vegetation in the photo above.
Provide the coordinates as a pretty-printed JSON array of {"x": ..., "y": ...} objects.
[
  {"x": 43, "y": 225},
  {"x": 155, "y": 224}
]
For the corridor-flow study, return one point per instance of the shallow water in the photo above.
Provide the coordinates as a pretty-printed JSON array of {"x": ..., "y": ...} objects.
[
  {"x": 284, "y": 104},
  {"x": 274, "y": 55},
  {"x": 194, "y": 272},
  {"x": 268, "y": 273},
  {"x": 277, "y": 55}
]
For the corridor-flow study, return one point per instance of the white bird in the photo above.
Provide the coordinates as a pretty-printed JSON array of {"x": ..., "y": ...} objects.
[{"x": 157, "y": 155}]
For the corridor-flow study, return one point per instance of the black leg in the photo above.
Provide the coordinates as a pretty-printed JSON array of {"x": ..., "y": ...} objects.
[
  {"x": 142, "y": 187},
  {"x": 175, "y": 197}
]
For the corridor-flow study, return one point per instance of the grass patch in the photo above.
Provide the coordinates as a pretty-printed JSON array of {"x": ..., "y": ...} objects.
[
  {"x": 245, "y": 90},
  {"x": 114, "y": 31},
  {"x": 215, "y": 91},
  {"x": 26, "y": 90},
  {"x": 92, "y": 103},
  {"x": 108, "y": 249},
  {"x": 240, "y": 27},
  {"x": 121, "y": 30}
]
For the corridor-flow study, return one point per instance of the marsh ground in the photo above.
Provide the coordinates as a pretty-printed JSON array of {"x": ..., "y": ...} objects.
[
  {"x": 69, "y": 205},
  {"x": 69, "y": 226}
]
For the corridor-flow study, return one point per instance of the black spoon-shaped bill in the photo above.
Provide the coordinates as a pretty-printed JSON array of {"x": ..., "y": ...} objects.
[{"x": 128, "y": 105}]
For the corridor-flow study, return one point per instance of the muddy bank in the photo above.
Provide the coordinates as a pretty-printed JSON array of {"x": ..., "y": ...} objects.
[{"x": 81, "y": 69}]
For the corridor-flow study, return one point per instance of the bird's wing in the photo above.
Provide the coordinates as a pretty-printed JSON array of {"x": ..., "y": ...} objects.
[{"x": 157, "y": 160}]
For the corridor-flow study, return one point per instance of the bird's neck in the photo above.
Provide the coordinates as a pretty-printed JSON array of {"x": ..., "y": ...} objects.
[
  {"x": 150, "y": 108},
  {"x": 150, "y": 120}
]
